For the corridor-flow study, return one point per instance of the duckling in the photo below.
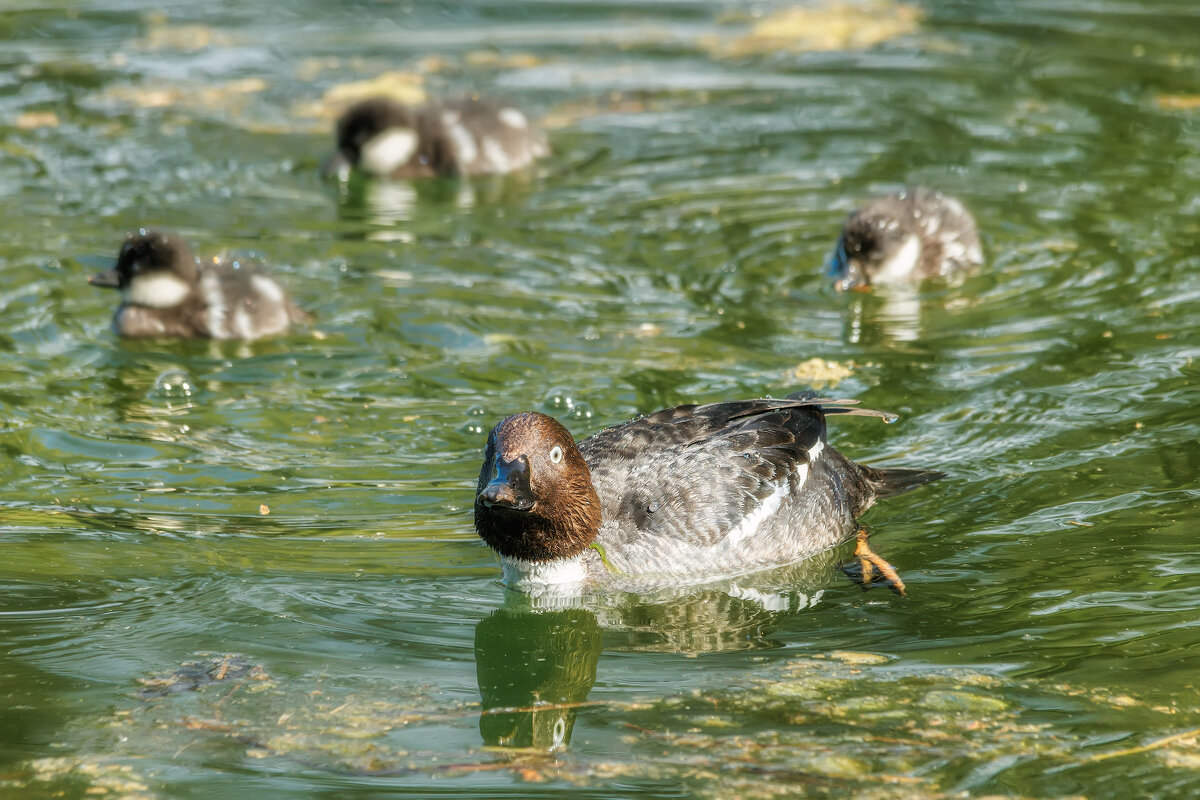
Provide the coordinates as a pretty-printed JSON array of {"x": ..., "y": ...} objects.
[
  {"x": 382, "y": 138},
  {"x": 905, "y": 238},
  {"x": 166, "y": 292}
]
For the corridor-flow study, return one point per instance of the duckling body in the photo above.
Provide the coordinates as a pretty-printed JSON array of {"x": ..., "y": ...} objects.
[
  {"x": 905, "y": 238},
  {"x": 168, "y": 293},
  {"x": 385, "y": 139}
]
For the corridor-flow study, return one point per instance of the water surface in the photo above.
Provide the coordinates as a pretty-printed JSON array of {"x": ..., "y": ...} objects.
[{"x": 162, "y": 636}]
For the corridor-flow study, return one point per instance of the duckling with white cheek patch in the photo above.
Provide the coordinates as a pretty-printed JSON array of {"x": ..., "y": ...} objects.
[
  {"x": 167, "y": 293},
  {"x": 384, "y": 139},
  {"x": 690, "y": 493},
  {"x": 905, "y": 238}
]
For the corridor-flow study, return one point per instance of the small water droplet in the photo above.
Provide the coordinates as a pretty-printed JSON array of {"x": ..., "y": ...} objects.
[{"x": 476, "y": 411}]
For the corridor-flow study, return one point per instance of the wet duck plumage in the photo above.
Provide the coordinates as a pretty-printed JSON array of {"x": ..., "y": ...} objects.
[{"x": 690, "y": 491}]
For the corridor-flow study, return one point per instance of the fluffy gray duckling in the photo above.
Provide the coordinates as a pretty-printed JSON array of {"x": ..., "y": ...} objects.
[
  {"x": 382, "y": 138},
  {"x": 166, "y": 292},
  {"x": 905, "y": 238}
]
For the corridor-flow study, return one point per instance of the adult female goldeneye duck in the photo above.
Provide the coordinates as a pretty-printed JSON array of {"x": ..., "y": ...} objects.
[
  {"x": 686, "y": 493},
  {"x": 385, "y": 139},
  {"x": 905, "y": 237},
  {"x": 166, "y": 292}
]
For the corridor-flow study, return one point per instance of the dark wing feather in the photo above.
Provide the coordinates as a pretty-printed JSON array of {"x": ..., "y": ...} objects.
[{"x": 698, "y": 471}]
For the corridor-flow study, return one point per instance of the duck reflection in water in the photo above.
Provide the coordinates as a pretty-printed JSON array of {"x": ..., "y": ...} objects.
[
  {"x": 536, "y": 660},
  {"x": 534, "y": 668}
]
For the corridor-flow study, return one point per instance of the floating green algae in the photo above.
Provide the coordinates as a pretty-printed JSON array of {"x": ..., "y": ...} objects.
[{"x": 832, "y": 725}]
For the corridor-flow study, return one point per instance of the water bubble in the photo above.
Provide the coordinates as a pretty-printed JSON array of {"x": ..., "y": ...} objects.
[
  {"x": 173, "y": 384},
  {"x": 561, "y": 402},
  {"x": 581, "y": 410},
  {"x": 559, "y": 399},
  {"x": 475, "y": 422}
]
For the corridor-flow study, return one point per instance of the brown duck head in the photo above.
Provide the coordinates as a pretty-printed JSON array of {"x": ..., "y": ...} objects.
[{"x": 535, "y": 500}]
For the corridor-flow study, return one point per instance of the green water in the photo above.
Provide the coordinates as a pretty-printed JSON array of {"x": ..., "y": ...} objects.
[{"x": 160, "y": 637}]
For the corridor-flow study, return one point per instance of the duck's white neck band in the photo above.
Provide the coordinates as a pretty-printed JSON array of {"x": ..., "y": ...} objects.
[
  {"x": 161, "y": 290},
  {"x": 537, "y": 576},
  {"x": 388, "y": 151},
  {"x": 900, "y": 266}
]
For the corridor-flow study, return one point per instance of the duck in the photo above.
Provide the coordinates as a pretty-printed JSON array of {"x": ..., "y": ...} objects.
[
  {"x": 690, "y": 493},
  {"x": 904, "y": 238},
  {"x": 382, "y": 138},
  {"x": 166, "y": 292}
]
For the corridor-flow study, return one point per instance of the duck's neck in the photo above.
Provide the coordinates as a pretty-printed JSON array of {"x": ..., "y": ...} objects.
[{"x": 558, "y": 575}]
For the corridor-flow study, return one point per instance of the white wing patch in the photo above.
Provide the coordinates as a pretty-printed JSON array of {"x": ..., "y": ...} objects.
[
  {"x": 493, "y": 151},
  {"x": 513, "y": 118},
  {"x": 242, "y": 325},
  {"x": 975, "y": 253},
  {"x": 464, "y": 145},
  {"x": 267, "y": 289},
  {"x": 210, "y": 284},
  {"x": 754, "y": 520},
  {"x": 163, "y": 290},
  {"x": 902, "y": 263},
  {"x": 387, "y": 152}
]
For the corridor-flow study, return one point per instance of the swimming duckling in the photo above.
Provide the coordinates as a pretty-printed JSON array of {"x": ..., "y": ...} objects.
[
  {"x": 382, "y": 138},
  {"x": 167, "y": 292},
  {"x": 905, "y": 238}
]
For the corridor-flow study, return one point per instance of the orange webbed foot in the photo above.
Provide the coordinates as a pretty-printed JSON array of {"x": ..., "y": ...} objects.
[{"x": 870, "y": 568}]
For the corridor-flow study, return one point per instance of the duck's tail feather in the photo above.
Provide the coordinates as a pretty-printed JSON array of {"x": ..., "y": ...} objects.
[
  {"x": 883, "y": 482},
  {"x": 845, "y": 405},
  {"x": 891, "y": 482}
]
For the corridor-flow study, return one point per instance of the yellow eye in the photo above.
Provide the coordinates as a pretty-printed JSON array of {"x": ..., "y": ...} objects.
[{"x": 556, "y": 454}]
